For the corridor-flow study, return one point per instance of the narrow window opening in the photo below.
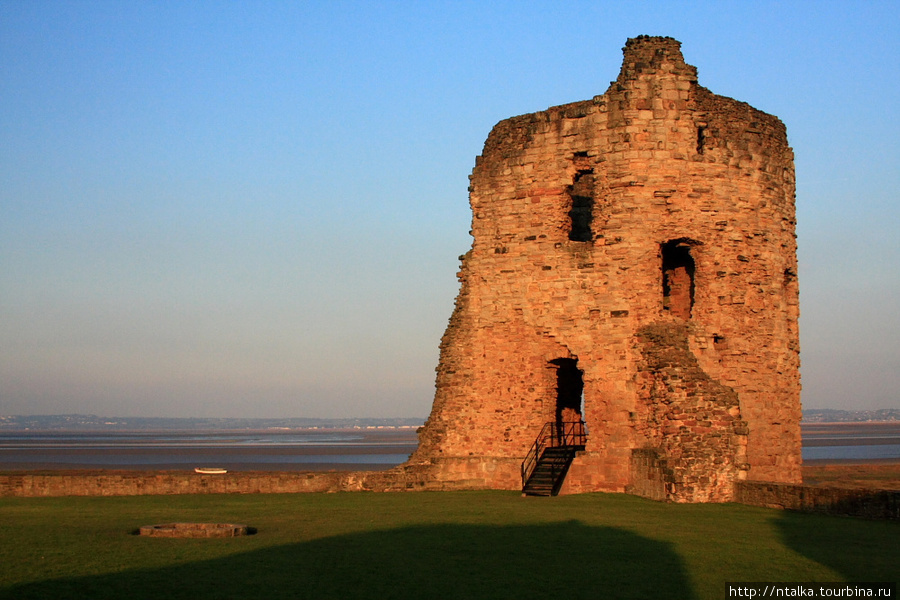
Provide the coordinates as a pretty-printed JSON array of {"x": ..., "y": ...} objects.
[
  {"x": 701, "y": 139},
  {"x": 719, "y": 342},
  {"x": 569, "y": 390},
  {"x": 582, "y": 213},
  {"x": 678, "y": 278}
]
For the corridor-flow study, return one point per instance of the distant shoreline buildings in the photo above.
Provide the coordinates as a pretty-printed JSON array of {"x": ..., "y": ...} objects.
[
  {"x": 93, "y": 422},
  {"x": 78, "y": 422}
]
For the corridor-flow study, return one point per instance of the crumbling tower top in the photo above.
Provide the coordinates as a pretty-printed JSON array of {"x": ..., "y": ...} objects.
[{"x": 649, "y": 55}]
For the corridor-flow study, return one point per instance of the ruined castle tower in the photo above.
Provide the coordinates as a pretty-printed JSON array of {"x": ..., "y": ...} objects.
[{"x": 633, "y": 266}]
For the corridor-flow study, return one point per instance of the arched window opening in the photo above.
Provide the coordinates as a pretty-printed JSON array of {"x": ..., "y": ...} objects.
[
  {"x": 678, "y": 278},
  {"x": 582, "y": 213}
]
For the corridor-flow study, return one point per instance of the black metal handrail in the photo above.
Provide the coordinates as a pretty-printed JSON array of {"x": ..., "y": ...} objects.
[{"x": 555, "y": 434}]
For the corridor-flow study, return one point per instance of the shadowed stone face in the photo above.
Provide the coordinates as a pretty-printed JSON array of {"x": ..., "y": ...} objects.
[{"x": 641, "y": 240}]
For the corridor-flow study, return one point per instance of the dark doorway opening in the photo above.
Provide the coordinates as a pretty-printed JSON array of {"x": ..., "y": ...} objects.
[
  {"x": 678, "y": 278},
  {"x": 569, "y": 390},
  {"x": 582, "y": 213}
]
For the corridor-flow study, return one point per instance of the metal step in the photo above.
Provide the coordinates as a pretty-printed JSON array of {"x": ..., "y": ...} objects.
[
  {"x": 546, "y": 464},
  {"x": 549, "y": 472}
]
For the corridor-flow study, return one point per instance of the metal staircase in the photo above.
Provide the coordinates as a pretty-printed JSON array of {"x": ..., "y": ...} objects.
[{"x": 544, "y": 468}]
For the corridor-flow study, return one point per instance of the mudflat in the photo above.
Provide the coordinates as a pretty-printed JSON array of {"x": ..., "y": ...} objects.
[
  {"x": 850, "y": 434},
  {"x": 847, "y": 473},
  {"x": 882, "y": 476},
  {"x": 872, "y": 474},
  {"x": 246, "y": 451}
]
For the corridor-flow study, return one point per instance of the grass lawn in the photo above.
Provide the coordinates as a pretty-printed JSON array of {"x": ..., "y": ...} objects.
[{"x": 426, "y": 545}]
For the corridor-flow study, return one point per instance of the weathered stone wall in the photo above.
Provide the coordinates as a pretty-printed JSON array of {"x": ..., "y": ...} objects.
[
  {"x": 690, "y": 420},
  {"x": 147, "y": 483},
  {"x": 138, "y": 483},
  {"x": 870, "y": 503},
  {"x": 655, "y": 205}
]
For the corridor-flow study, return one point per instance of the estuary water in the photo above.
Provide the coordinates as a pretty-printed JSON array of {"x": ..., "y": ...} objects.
[
  {"x": 312, "y": 450},
  {"x": 307, "y": 450},
  {"x": 847, "y": 442}
]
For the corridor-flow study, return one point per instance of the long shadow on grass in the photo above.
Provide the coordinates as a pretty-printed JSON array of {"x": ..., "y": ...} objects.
[
  {"x": 562, "y": 560},
  {"x": 858, "y": 549}
]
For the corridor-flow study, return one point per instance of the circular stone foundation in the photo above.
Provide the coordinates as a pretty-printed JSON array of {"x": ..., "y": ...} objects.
[{"x": 196, "y": 530}]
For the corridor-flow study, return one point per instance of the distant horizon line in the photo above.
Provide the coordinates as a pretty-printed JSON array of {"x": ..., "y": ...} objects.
[
  {"x": 98, "y": 416},
  {"x": 95, "y": 416},
  {"x": 112, "y": 420},
  {"x": 90, "y": 422}
]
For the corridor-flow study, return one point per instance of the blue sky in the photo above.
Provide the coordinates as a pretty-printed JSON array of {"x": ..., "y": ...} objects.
[{"x": 256, "y": 208}]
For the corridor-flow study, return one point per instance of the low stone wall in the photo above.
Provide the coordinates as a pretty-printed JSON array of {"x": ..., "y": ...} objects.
[
  {"x": 876, "y": 504},
  {"x": 869, "y": 503},
  {"x": 137, "y": 483},
  {"x": 196, "y": 530}
]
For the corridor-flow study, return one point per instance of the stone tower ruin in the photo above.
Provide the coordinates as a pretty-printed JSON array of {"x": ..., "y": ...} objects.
[{"x": 634, "y": 273}]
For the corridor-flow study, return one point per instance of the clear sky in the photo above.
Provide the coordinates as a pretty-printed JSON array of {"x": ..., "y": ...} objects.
[{"x": 255, "y": 209}]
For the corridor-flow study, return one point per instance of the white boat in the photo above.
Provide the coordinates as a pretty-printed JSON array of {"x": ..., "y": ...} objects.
[{"x": 210, "y": 470}]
